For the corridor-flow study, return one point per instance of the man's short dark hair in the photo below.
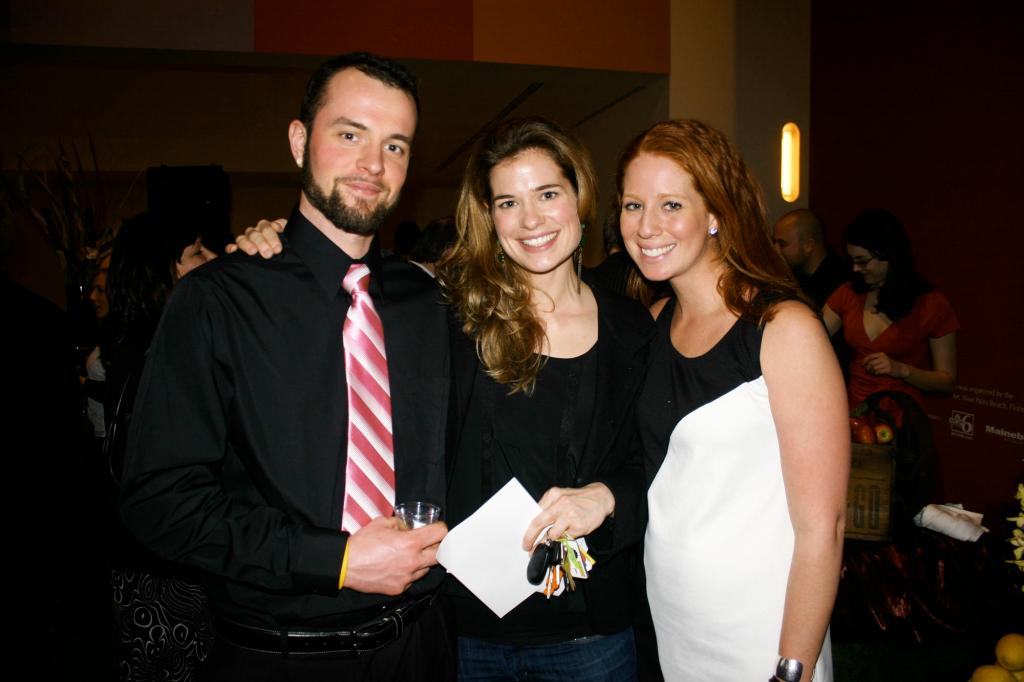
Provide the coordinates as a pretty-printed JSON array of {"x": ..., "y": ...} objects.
[{"x": 387, "y": 71}]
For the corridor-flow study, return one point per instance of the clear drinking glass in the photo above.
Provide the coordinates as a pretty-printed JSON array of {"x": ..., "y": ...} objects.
[{"x": 417, "y": 514}]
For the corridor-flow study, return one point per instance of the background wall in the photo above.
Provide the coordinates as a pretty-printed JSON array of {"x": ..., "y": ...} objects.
[{"x": 745, "y": 68}]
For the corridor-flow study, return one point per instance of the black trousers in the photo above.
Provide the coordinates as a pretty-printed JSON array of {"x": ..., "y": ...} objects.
[{"x": 425, "y": 652}]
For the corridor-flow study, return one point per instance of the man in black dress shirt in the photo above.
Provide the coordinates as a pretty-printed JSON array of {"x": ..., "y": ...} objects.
[
  {"x": 236, "y": 456},
  {"x": 800, "y": 238}
]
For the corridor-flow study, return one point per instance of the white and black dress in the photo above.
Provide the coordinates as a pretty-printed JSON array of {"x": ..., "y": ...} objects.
[{"x": 720, "y": 541}]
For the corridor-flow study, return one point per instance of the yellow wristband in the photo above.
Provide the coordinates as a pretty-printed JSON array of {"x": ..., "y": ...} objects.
[{"x": 344, "y": 568}]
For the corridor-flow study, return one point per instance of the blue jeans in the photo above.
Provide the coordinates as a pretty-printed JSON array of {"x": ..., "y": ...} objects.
[{"x": 608, "y": 658}]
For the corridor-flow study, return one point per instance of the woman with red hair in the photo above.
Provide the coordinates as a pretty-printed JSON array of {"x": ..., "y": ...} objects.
[{"x": 743, "y": 421}]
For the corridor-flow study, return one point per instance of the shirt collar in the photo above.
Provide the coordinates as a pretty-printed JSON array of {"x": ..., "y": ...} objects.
[{"x": 328, "y": 263}]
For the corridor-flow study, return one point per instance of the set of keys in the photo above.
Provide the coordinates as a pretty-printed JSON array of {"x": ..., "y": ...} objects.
[{"x": 559, "y": 563}]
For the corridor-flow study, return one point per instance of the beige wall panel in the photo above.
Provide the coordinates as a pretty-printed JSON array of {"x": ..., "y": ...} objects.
[{"x": 702, "y": 76}]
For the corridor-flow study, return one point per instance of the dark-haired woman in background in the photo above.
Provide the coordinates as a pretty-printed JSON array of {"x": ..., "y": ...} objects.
[
  {"x": 160, "y": 625},
  {"x": 902, "y": 333}
]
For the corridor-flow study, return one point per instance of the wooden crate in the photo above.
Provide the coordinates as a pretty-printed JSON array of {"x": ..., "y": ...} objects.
[{"x": 869, "y": 495}]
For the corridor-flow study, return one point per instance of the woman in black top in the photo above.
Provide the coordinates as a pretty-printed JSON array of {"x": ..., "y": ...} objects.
[
  {"x": 546, "y": 375},
  {"x": 160, "y": 623}
]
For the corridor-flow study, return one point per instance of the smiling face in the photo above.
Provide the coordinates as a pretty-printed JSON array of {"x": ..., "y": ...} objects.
[
  {"x": 870, "y": 268},
  {"x": 535, "y": 212},
  {"x": 665, "y": 223},
  {"x": 355, "y": 158}
]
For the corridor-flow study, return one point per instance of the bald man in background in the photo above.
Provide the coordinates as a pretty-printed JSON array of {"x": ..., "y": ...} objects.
[{"x": 800, "y": 238}]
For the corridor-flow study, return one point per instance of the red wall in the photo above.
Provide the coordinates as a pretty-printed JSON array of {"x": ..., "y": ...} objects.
[
  {"x": 434, "y": 29},
  {"x": 589, "y": 34},
  {"x": 919, "y": 109}
]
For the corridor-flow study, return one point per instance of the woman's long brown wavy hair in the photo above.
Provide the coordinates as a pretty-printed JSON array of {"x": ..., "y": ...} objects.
[
  {"x": 490, "y": 293},
  {"x": 756, "y": 277}
]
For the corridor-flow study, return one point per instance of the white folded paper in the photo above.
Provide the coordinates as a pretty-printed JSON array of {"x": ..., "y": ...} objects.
[
  {"x": 952, "y": 520},
  {"x": 485, "y": 551}
]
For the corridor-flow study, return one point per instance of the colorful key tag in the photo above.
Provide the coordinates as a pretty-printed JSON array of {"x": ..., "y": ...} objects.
[{"x": 557, "y": 564}]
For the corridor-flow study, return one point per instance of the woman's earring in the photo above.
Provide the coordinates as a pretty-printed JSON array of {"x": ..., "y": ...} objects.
[
  {"x": 713, "y": 230},
  {"x": 577, "y": 255},
  {"x": 500, "y": 255}
]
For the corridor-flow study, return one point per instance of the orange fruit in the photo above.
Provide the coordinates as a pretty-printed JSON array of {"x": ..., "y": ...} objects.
[
  {"x": 1010, "y": 652},
  {"x": 992, "y": 673}
]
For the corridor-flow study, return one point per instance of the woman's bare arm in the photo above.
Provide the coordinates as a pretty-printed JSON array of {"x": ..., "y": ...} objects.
[{"x": 808, "y": 403}]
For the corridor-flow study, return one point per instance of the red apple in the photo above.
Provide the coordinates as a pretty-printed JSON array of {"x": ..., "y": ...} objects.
[
  {"x": 883, "y": 433},
  {"x": 864, "y": 434}
]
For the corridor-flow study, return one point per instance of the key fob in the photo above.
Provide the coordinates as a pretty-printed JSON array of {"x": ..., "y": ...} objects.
[{"x": 538, "y": 565}]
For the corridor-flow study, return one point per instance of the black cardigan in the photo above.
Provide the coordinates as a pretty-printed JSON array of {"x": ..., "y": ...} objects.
[{"x": 612, "y": 454}]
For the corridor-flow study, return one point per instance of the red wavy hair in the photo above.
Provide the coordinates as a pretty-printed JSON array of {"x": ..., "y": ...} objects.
[{"x": 756, "y": 276}]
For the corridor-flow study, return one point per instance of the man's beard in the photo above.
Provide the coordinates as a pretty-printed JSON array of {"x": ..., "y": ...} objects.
[{"x": 358, "y": 219}]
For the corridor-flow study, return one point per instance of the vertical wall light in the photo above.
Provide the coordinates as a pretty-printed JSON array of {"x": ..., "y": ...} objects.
[{"x": 790, "y": 177}]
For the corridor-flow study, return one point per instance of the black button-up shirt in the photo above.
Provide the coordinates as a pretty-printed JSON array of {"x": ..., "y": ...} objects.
[
  {"x": 831, "y": 274},
  {"x": 236, "y": 453}
]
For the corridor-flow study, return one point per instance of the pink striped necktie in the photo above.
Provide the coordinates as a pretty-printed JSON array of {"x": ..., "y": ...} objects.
[{"x": 370, "y": 471}]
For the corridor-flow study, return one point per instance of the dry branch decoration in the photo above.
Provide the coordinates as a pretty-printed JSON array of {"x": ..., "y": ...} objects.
[{"x": 64, "y": 201}]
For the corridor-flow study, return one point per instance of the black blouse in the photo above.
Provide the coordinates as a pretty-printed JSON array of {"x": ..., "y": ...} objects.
[{"x": 537, "y": 439}]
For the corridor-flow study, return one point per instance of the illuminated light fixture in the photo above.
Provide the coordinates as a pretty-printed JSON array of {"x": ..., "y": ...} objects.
[{"x": 790, "y": 182}]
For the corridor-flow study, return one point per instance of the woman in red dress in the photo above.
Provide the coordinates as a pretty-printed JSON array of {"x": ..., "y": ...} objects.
[{"x": 902, "y": 332}]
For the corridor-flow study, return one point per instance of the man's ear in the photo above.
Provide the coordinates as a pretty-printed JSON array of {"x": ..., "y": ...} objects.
[{"x": 297, "y": 140}]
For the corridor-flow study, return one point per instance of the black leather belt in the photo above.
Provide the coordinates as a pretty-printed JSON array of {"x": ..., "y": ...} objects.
[{"x": 369, "y": 636}]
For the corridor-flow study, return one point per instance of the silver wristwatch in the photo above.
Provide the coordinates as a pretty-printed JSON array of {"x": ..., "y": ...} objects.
[{"x": 788, "y": 670}]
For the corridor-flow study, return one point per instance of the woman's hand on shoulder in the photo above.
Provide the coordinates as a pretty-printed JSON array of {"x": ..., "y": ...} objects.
[
  {"x": 262, "y": 239},
  {"x": 573, "y": 511}
]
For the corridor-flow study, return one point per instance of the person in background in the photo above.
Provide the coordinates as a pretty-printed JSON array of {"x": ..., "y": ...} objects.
[
  {"x": 436, "y": 238},
  {"x": 800, "y": 238},
  {"x": 94, "y": 382},
  {"x": 613, "y": 272},
  {"x": 901, "y": 331},
  {"x": 59, "y": 633},
  {"x": 172, "y": 638},
  {"x": 747, "y": 446}
]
